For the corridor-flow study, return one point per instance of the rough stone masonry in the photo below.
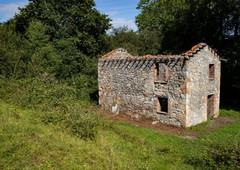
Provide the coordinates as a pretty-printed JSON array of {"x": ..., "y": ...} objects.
[{"x": 181, "y": 90}]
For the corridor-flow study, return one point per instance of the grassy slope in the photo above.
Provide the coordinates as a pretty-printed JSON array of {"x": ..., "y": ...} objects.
[{"x": 26, "y": 142}]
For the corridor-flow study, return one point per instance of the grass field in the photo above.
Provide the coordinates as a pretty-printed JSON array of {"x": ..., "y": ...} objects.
[
  {"x": 26, "y": 142},
  {"x": 69, "y": 135}
]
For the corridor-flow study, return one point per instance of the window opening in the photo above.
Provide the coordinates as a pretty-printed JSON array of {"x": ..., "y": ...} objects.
[
  {"x": 162, "y": 104},
  {"x": 211, "y": 71},
  {"x": 161, "y": 72}
]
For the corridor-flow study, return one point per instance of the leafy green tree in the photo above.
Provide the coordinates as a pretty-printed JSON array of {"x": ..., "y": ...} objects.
[
  {"x": 126, "y": 38},
  {"x": 62, "y": 36},
  {"x": 44, "y": 58},
  {"x": 182, "y": 23},
  {"x": 150, "y": 42},
  {"x": 66, "y": 19},
  {"x": 136, "y": 43},
  {"x": 13, "y": 60}
]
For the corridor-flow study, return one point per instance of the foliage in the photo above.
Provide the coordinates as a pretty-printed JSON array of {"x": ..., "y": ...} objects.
[
  {"x": 66, "y": 19},
  {"x": 82, "y": 122},
  {"x": 126, "y": 38},
  {"x": 58, "y": 38},
  {"x": 42, "y": 54},
  {"x": 208, "y": 21},
  {"x": 55, "y": 103},
  {"x": 13, "y": 60},
  {"x": 136, "y": 43},
  {"x": 217, "y": 156}
]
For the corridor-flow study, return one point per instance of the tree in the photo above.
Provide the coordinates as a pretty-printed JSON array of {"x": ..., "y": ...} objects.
[
  {"x": 136, "y": 43},
  {"x": 13, "y": 60},
  {"x": 126, "y": 38},
  {"x": 183, "y": 23},
  {"x": 42, "y": 53},
  {"x": 62, "y": 36},
  {"x": 66, "y": 19}
]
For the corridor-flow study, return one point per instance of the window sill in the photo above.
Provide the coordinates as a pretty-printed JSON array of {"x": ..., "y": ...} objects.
[
  {"x": 163, "y": 113},
  {"x": 161, "y": 82}
]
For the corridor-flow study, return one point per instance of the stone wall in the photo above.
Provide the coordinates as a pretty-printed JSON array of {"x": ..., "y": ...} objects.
[
  {"x": 128, "y": 85},
  {"x": 199, "y": 86},
  {"x": 174, "y": 90}
]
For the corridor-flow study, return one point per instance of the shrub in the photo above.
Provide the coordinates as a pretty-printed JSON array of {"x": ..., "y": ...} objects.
[{"x": 217, "y": 156}]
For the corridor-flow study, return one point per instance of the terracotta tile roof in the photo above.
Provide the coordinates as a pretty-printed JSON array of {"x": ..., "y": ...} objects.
[
  {"x": 109, "y": 53},
  {"x": 194, "y": 49},
  {"x": 187, "y": 54}
]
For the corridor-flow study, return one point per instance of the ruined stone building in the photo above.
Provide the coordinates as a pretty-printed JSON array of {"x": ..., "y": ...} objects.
[{"x": 181, "y": 90}]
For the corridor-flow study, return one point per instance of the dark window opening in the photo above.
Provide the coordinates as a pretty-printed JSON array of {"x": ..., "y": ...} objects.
[
  {"x": 211, "y": 71},
  {"x": 156, "y": 72},
  {"x": 162, "y": 104},
  {"x": 210, "y": 105},
  {"x": 161, "y": 72}
]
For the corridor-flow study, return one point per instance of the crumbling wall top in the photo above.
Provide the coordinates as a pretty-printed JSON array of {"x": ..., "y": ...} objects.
[{"x": 121, "y": 53}]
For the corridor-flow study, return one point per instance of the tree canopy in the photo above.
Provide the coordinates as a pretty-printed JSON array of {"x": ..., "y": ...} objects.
[
  {"x": 77, "y": 19},
  {"x": 58, "y": 37},
  {"x": 183, "y": 23}
]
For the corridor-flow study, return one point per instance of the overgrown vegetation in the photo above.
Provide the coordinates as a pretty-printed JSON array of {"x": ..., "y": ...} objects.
[{"x": 54, "y": 103}]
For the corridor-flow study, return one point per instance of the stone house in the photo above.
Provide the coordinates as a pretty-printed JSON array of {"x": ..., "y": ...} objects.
[{"x": 181, "y": 90}]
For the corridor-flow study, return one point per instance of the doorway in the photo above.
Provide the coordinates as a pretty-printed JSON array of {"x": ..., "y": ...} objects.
[{"x": 210, "y": 105}]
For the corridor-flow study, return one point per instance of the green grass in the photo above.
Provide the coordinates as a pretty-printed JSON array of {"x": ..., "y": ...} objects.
[
  {"x": 26, "y": 142},
  {"x": 46, "y": 125},
  {"x": 230, "y": 113}
]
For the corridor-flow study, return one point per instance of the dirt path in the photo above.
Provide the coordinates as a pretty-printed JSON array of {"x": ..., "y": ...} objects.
[{"x": 168, "y": 129}]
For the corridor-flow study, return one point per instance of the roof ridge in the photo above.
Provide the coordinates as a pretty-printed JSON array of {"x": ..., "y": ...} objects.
[
  {"x": 115, "y": 50},
  {"x": 194, "y": 49},
  {"x": 187, "y": 54}
]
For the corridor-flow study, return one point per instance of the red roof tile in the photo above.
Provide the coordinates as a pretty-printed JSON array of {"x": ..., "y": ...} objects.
[{"x": 194, "y": 49}]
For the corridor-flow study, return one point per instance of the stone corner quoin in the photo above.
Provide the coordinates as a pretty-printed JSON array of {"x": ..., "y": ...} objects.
[{"x": 180, "y": 90}]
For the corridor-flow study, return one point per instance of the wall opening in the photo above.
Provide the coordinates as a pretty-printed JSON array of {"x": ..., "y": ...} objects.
[
  {"x": 162, "y": 105},
  {"x": 211, "y": 71},
  {"x": 161, "y": 72},
  {"x": 156, "y": 72},
  {"x": 210, "y": 105}
]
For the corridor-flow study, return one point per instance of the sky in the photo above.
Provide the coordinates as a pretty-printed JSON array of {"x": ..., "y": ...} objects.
[{"x": 121, "y": 12}]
